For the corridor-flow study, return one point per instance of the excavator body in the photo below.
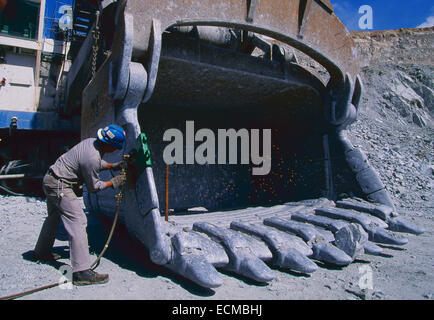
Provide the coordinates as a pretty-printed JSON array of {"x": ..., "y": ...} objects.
[{"x": 238, "y": 111}]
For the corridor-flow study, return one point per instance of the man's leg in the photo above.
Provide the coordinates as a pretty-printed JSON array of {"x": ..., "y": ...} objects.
[
  {"x": 75, "y": 223},
  {"x": 47, "y": 236}
]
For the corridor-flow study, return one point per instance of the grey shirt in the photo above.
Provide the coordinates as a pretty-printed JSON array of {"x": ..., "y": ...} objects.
[{"x": 81, "y": 164}]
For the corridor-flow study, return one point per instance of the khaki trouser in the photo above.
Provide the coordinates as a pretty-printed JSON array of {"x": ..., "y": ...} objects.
[{"x": 62, "y": 203}]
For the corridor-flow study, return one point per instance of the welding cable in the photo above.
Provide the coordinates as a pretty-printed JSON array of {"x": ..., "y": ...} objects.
[
  {"x": 11, "y": 192},
  {"x": 95, "y": 264}
]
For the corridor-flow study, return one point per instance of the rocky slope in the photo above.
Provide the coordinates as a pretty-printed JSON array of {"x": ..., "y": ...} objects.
[
  {"x": 395, "y": 125},
  {"x": 410, "y": 46}
]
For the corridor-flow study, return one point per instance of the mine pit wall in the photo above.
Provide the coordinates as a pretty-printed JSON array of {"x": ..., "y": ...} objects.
[{"x": 401, "y": 46}]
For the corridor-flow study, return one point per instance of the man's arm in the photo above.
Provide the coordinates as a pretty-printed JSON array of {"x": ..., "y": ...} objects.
[
  {"x": 93, "y": 182},
  {"x": 90, "y": 173},
  {"x": 107, "y": 166}
]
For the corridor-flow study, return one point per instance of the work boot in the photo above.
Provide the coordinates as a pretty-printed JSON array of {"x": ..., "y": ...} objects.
[
  {"x": 86, "y": 277},
  {"x": 49, "y": 257}
]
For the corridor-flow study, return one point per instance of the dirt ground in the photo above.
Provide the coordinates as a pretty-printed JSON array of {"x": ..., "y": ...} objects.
[{"x": 400, "y": 273}]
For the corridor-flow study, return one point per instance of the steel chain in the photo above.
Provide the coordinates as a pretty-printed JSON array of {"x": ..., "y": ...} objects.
[{"x": 95, "y": 47}]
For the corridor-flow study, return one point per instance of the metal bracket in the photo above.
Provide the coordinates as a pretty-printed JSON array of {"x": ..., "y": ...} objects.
[
  {"x": 303, "y": 15},
  {"x": 141, "y": 202},
  {"x": 119, "y": 67},
  {"x": 342, "y": 102},
  {"x": 154, "y": 58},
  {"x": 358, "y": 92},
  {"x": 251, "y": 5},
  {"x": 326, "y": 5},
  {"x": 142, "y": 159}
]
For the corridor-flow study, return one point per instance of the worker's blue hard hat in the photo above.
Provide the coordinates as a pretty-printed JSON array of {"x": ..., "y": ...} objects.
[{"x": 112, "y": 135}]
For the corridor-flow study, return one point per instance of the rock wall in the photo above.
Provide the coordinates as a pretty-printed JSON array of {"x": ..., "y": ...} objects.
[
  {"x": 395, "y": 123},
  {"x": 411, "y": 46},
  {"x": 398, "y": 73}
]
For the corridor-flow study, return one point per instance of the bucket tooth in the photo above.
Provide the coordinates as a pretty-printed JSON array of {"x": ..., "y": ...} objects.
[
  {"x": 323, "y": 250},
  {"x": 381, "y": 211},
  {"x": 376, "y": 233},
  {"x": 289, "y": 251},
  {"x": 259, "y": 248},
  {"x": 374, "y": 220},
  {"x": 320, "y": 221},
  {"x": 195, "y": 243},
  {"x": 385, "y": 213},
  {"x": 381, "y": 235},
  {"x": 372, "y": 249},
  {"x": 253, "y": 268},
  {"x": 367, "y": 221},
  {"x": 196, "y": 268},
  {"x": 292, "y": 259},
  {"x": 273, "y": 237},
  {"x": 328, "y": 253},
  {"x": 242, "y": 258},
  {"x": 159, "y": 251},
  {"x": 195, "y": 257},
  {"x": 325, "y": 234},
  {"x": 399, "y": 224},
  {"x": 305, "y": 231},
  {"x": 337, "y": 213}
]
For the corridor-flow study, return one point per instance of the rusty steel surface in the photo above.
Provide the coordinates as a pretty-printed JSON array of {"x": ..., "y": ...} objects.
[
  {"x": 193, "y": 75},
  {"x": 324, "y": 38}
]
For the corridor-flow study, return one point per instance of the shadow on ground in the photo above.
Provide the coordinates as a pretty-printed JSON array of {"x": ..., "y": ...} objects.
[
  {"x": 129, "y": 253},
  {"x": 62, "y": 251}
]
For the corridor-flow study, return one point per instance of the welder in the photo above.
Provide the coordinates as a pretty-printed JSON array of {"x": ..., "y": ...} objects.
[{"x": 79, "y": 165}]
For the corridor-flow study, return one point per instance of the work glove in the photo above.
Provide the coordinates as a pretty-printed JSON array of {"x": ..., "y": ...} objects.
[
  {"x": 117, "y": 165},
  {"x": 118, "y": 180}
]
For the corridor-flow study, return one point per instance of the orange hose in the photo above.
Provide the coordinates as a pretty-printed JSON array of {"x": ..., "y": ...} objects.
[{"x": 167, "y": 193}]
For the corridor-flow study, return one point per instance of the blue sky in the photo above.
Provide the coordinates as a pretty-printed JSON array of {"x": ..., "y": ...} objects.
[{"x": 387, "y": 14}]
